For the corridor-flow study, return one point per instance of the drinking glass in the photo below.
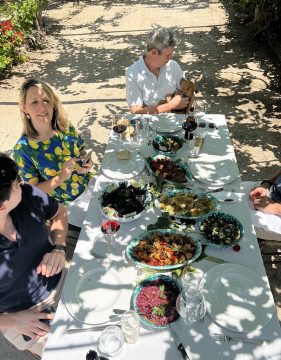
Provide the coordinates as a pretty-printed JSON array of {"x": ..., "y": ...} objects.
[
  {"x": 200, "y": 108},
  {"x": 119, "y": 125},
  {"x": 190, "y": 304},
  {"x": 130, "y": 325},
  {"x": 109, "y": 228},
  {"x": 111, "y": 341}
]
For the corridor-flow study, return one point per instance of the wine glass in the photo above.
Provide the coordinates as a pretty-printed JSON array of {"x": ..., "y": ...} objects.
[
  {"x": 109, "y": 228},
  {"x": 200, "y": 109},
  {"x": 189, "y": 125},
  {"x": 119, "y": 125},
  {"x": 190, "y": 304}
]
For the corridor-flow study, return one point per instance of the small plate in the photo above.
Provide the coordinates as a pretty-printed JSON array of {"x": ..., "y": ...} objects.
[
  {"x": 237, "y": 298},
  {"x": 122, "y": 169}
]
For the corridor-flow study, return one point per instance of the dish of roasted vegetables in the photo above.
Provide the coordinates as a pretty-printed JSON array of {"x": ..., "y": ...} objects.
[
  {"x": 221, "y": 229},
  {"x": 168, "y": 169},
  {"x": 186, "y": 204},
  {"x": 163, "y": 249},
  {"x": 167, "y": 144},
  {"x": 124, "y": 201},
  {"x": 154, "y": 299}
]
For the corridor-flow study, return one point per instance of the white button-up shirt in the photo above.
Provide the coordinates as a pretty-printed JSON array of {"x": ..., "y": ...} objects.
[{"x": 144, "y": 88}]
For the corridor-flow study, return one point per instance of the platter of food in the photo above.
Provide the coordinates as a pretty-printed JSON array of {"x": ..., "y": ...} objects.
[
  {"x": 124, "y": 201},
  {"x": 163, "y": 249},
  {"x": 167, "y": 145},
  {"x": 167, "y": 169},
  {"x": 220, "y": 229},
  {"x": 186, "y": 204},
  {"x": 154, "y": 299}
]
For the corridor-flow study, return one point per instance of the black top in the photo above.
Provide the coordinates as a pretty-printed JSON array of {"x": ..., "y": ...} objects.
[{"x": 20, "y": 286}]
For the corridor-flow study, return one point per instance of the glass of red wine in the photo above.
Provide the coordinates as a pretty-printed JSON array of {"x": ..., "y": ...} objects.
[
  {"x": 109, "y": 228},
  {"x": 119, "y": 125}
]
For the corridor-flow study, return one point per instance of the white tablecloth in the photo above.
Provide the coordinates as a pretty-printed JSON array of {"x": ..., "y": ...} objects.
[{"x": 155, "y": 344}]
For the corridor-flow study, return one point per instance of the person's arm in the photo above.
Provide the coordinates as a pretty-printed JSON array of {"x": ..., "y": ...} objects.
[
  {"x": 53, "y": 262},
  {"x": 267, "y": 205},
  {"x": 26, "y": 322},
  {"x": 176, "y": 102},
  {"x": 263, "y": 188}
]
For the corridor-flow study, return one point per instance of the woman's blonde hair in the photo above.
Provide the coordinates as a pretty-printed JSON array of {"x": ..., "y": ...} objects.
[{"x": 59, "y": 120}]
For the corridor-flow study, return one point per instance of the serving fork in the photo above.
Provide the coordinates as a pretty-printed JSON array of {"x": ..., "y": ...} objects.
[{"x": 225, "y": 338}]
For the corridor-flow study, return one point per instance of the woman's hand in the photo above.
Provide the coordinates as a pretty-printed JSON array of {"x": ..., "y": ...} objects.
[
  {"x": 68, "y": 168},
  {"x": 267, "y": 205},
  {"x": 27, "y": 322},
  {"x": 86, "y": 168},
  {"x": 52, "y": 263},
  {"x": 258, "y": 192}
]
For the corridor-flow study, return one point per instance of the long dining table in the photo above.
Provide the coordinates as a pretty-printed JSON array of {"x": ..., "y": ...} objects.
[{"x": 74, "y": 312}]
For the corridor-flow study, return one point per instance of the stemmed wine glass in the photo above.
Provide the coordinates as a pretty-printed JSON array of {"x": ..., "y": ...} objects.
[
  {"x": 119, "y": 125},
  {"x": 190, "y": 304},
  {"x": 109, "y": 228}
]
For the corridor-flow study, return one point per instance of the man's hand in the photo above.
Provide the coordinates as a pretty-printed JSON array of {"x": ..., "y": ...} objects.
[
  {"x": 85, "y": 168},
  {"x": 267, "y": 205},
  {"x": 179, "y": 102},
  {"x": 258, "y": 192},
  {"x": 27, "y": 322},
  {"x": 52, "y": 263}
]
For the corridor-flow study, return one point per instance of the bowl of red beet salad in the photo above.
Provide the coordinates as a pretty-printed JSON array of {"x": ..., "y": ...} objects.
[{"x": 154, "y": 299}]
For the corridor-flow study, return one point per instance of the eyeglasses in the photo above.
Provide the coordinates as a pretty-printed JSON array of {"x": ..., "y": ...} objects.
[{"x": 19, "y": 180}]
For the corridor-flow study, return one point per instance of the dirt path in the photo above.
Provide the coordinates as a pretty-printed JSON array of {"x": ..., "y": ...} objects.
[{"x": 90, "y": 45}]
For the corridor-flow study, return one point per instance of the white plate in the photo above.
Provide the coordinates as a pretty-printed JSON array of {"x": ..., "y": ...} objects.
[
  {"x": 93, "y": 290},
  {"x": 122, "y": 169},
  {"x": 214, "y": 170},
  {"x": 237, "y": 298},
  {"x": 166, "y": 123}
]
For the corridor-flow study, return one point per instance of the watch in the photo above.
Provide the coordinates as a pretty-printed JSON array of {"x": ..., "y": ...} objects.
[{"x": 59, "y": 247}]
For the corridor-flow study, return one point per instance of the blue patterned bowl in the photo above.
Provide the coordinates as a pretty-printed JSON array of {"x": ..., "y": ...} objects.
[
  {"x": 160, "y": 143},
  {"x": 146, "y": 234},
  {"x": 220, "y": 229},
  {"x": 163, "y": 278}
]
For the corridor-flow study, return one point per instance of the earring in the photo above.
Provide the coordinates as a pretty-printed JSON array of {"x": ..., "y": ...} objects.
[{"x": 28, "y": 116}]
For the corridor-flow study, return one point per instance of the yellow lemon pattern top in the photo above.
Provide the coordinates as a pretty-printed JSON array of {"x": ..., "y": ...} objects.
[{"x": 42, "y": 160}]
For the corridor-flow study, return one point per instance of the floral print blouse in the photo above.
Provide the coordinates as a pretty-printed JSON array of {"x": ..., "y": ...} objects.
[{"x": 42, "y": 160}]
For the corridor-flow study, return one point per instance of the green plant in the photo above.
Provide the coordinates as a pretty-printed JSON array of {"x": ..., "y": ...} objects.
[{"x": 11, "y": 40}]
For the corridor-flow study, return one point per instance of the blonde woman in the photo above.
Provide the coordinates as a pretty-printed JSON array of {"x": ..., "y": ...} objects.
[{"x": 50, "y": 151}]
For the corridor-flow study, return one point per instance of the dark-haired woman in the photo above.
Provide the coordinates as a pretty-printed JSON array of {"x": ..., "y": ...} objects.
[{"x": 32, "y": 270}]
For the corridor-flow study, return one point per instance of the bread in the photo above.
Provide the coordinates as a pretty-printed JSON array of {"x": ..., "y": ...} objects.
[{"x": 123, "y": 155}]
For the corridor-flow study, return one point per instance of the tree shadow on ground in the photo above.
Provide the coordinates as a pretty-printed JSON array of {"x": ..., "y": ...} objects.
[{"x": 230, "y": 70}]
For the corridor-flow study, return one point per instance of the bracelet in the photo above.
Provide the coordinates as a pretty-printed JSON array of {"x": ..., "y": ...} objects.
[
  {"x": 266, "y": 181},
  {"x": 59, "y": 247}
]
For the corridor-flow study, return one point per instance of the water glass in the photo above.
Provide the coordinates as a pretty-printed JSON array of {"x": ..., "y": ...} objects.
[
  {"x": 111, "y": 341},
  {"x": 130, "y": 324},
  {"x": 193, "y": 148},
  {"x": 191, "y": 304},
  {"x": 200, "y": 109}
]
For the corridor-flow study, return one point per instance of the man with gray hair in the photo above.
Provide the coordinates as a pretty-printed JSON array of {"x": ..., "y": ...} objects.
[{"x": 155, "y": 76}]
